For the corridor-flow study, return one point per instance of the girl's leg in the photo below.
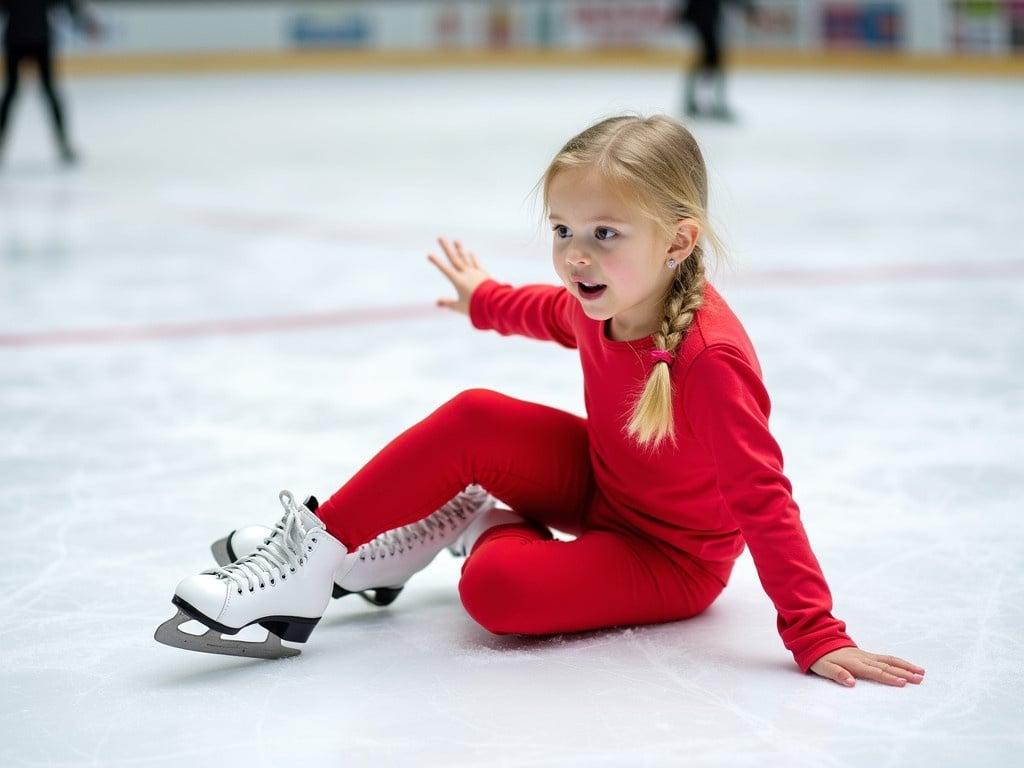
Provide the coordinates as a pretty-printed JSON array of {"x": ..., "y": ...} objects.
[
  {"x": 44, "y": 59},
  {"x": 12, "y": 58},
  {"x": 520, "y": 580},
  {"x": 533, "y": 458}
]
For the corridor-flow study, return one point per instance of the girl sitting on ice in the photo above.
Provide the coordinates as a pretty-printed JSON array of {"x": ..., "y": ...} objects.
[{"x": 672, "y": 473}]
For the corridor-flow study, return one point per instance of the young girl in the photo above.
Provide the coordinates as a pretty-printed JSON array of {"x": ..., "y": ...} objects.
[{"x": 671, "y": 474}]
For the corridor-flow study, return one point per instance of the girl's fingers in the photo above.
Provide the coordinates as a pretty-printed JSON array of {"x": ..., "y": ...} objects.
[
  {"x": 880, "y": 675},
  {"x": 453, "y": 304},
  {"x": 451, "y": 253},
  {"x": 887, "y": 670},
  {"x": 463, "y": 254},
  {"x": 448, "y": 272},
  {"x": 446, "y": 248},
  {"x": 835, "y": 672},
  {"x": 898, "y": 662},
  {"x": 906, "y": 674}
]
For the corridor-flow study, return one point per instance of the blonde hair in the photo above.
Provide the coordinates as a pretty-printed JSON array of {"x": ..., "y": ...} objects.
[{"x": 656, "y": 163}]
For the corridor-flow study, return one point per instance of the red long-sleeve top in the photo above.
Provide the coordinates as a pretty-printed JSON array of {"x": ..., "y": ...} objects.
[{"x": 721, "y": 486}]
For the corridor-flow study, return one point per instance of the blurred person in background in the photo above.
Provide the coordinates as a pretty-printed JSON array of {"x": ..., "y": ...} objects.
[
  {"x": 705, "y": 16},
  {"x": 28, "y": 37}
]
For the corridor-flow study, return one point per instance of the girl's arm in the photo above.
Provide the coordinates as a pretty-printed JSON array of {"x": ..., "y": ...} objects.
[
  {"x": 536, "y": 311},
  {"x": 728, "y": 409},
  {"x": 727, "y": 406}
]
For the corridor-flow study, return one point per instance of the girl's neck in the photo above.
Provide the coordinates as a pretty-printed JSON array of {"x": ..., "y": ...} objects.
[
  {"x": 617, "y": 330},
  {"x": 639, "y": 321}
]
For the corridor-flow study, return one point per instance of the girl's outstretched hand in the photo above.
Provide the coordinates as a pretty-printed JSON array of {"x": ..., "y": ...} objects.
[
  {"x": 463, "y": 270},
  {"x": 844, "y": 664}
]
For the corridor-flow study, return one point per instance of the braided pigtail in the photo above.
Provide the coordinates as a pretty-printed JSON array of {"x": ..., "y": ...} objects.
[{"x": 652, "y": 420}]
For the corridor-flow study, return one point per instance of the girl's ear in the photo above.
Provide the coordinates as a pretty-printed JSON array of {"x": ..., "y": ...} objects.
[{"x": 685, "y": 240}]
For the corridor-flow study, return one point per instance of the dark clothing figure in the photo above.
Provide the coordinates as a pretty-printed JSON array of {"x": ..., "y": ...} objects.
[
  {"x": 28, "y": 37},
  {"x": 705, "y": 16}
]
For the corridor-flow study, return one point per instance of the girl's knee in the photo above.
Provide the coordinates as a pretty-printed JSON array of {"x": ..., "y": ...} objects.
[
  {"x": 473, "y": 404},
  {"x": 471, "y": 413},
  {"x": 491, "y": 590}
]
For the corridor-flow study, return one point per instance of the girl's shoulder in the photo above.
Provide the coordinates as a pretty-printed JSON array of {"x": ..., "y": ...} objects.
[{"x": 715, "y": 324}]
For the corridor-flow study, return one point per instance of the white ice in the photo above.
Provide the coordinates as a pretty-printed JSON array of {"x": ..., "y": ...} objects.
[{"x": 875, "y": 258}]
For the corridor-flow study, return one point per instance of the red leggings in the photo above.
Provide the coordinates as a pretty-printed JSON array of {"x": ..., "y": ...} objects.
[{"x": 518, "y": 578}]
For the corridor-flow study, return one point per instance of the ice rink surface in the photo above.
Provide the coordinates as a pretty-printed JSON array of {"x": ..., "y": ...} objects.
[{"x": 230, "y": 296}]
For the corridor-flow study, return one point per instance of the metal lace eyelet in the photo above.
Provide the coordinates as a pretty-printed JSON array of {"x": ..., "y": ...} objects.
[
  {"x": 251, "y": 589},
  {"x": 272, "y": 582},
  {"x": 292, "y": 570},
  {"x": 263, "y": 586},
  {"x": 314, "y": 540},
  {"x": 239, "y": 591}
]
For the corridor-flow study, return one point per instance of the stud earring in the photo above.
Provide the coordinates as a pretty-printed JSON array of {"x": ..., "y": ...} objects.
[{"x": 672, "y": 263}]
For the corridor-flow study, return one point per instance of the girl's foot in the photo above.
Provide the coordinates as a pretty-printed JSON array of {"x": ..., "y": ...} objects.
[{"x": 284, "y": 585}]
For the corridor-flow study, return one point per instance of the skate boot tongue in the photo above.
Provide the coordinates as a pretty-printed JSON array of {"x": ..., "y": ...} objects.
[
  {"x": 282, "y": 552},
  {"x": 308, "y": 520}
]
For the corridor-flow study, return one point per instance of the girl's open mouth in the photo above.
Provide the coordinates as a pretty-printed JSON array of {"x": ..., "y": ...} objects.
[{"x": 590, "y": 292}]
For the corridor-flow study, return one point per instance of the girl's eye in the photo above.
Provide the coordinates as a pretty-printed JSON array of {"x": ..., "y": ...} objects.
[
  {"x": 605, "y": 233},
  {"x": 561, "y": 230}
]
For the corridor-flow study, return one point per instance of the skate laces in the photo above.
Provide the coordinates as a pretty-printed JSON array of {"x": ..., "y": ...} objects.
[
  {"x": 279, "y": 554},
  {"x": 450, "y": 515}
]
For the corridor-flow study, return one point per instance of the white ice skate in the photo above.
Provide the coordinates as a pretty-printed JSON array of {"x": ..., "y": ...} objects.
[
  {"x": 487, "y": 519},
  {"x": 284, "y": 585},
  {"x": 379, "y": 569}
]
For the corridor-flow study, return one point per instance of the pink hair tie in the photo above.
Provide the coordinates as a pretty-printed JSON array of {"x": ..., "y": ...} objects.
[{"x": 662, "y": 356}]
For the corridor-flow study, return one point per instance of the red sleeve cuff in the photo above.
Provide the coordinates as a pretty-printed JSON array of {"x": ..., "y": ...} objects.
[{"x": 478, "y": 314}]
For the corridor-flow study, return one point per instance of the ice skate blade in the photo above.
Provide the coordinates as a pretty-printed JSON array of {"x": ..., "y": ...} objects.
[
  {"x": 211, "y": 641},
  {"x": 170, "y": 633},
  {"x": 379, "y": 596}
]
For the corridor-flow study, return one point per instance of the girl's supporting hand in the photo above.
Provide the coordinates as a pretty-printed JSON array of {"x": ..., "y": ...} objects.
[
  {"x": 465, "y": 274},
  {"x": 844, "y": 664}
]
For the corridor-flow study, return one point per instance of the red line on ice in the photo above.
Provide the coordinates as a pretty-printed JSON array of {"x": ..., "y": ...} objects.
[{"x": 204, "y": 328}]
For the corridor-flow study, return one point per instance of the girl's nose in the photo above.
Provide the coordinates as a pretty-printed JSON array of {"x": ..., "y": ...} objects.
[{"x": 576, "y": 256}]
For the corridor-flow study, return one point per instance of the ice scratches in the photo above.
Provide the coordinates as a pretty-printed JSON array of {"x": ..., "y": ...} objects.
[
  {"x": 51, "y": 551},
  {"x": 950, "y": 715},
  {"x": 664, "y": 657}
]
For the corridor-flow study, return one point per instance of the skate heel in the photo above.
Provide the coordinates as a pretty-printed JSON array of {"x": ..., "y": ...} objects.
[{"x": 294, "y": 630}]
